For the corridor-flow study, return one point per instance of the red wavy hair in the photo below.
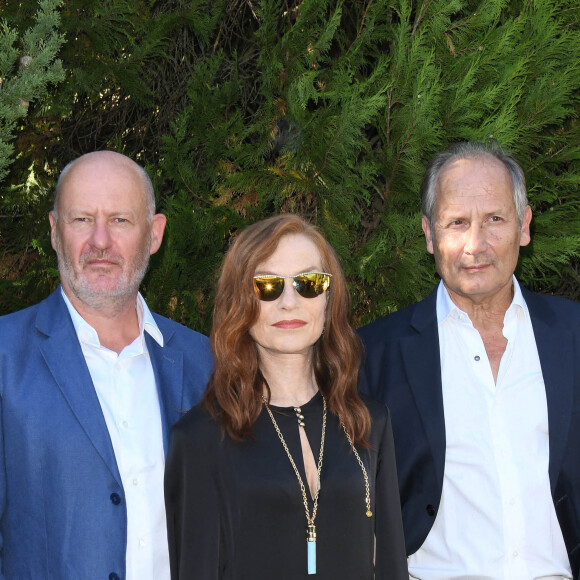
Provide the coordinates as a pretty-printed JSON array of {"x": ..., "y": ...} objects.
[{"x": 234, "y": 393}]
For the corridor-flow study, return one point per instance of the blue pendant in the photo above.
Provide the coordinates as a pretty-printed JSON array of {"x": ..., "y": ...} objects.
[
  {"x": 311, "y": 547},
  {"x": 311, "y": 557}
]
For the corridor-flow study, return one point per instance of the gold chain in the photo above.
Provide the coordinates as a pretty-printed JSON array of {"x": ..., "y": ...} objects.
[
  {"x": 309, "y": 519},
  {"x": 367, "y": 486}
]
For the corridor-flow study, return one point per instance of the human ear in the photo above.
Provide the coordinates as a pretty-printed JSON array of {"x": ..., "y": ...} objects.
[
  {"x": 157, "y": 228},
  {"x": 428, "y": 235}
]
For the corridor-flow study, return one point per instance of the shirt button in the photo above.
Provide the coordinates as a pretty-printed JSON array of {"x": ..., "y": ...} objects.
[
  {"x": 476, "y": 358},
  {"x": 125, "y": 424},
  {"x": 512, "y": 501},
  {"x": 141, "y": 542},
  {"x": 515, "y": 554},
  {"x": 135, "y": 481},
  {"x": 118, "y": 366}
]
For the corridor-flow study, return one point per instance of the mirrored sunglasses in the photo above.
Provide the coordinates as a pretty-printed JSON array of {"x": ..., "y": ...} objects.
[{"x": 269, "y": 287}]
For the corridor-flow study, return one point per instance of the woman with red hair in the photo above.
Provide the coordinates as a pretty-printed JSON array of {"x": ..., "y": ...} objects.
[{"x": 283, "y": 471}]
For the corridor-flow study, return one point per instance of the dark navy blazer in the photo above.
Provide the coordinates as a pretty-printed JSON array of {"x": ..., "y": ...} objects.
[
  {"x": 62, "y": 504},
  {"x": 402, "y": 369}
]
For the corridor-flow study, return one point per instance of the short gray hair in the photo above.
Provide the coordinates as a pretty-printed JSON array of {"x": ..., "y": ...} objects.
[
  {"x": 143, "y": 175},
  {"x": 472, "y": 150}
]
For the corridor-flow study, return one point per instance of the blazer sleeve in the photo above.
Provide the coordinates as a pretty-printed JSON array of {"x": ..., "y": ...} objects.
[
  {"x": 2, "y": 478},
  {"x": 391, "y": 559},
  {"x": 192, "y": 507}
]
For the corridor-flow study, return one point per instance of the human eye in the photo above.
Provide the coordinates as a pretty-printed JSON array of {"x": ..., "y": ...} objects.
[
  {"x": 118, "y": 220},
  {"x": 495, "y": 218}
]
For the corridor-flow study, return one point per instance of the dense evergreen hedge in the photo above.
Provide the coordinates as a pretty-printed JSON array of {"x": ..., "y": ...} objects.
[{"x": 241, "y": 109}]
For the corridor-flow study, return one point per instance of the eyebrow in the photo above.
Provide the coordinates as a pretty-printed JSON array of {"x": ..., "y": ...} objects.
[
  {"x": 73, "y": 210},
  {"x": 305, "y": 271}
]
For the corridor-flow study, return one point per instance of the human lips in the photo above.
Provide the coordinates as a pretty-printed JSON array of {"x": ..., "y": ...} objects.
[
  {"x": 290, "y": 324},
  {"x": 476, "y": 268},
  {"x": 100, "y": 262}
]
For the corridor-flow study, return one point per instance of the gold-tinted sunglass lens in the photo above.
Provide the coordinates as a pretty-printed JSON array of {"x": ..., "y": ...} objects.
[
  {"x": 311, "y": 285},
  {"x": 269, "y": 287}
]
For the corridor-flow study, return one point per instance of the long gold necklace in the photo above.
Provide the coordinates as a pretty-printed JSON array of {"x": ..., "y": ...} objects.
[
  {"x": 310, "y": 527},
  {"x": 369, "y": 513}
]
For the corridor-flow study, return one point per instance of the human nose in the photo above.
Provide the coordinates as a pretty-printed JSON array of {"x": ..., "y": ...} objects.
[
  {"x": 474, "y": 240},
  {"x": 289, "y": 297},
  {"x": 100, "y": 235}
]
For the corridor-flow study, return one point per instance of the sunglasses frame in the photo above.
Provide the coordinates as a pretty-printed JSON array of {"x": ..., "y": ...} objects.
[{"x": 279, "y": 277}]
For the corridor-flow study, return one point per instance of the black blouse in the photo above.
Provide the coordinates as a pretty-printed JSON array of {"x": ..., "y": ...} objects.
[{"x": 235, "y": 510}]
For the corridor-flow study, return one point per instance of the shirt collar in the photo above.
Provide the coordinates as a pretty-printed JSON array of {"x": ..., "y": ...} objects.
[
  {"x": 446, "y": 307},
  {"x": 88, "y": 334}
]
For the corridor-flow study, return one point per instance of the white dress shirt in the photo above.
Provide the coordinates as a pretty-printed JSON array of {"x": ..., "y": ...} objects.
[
  {"x": 125, "y": 386},
  {"x": 496, "y": 520}
]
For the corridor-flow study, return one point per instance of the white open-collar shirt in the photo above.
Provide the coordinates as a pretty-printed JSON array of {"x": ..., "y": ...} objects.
[
  {"x": 125, "y": 386},
  {"x": 496, "y": 520}
]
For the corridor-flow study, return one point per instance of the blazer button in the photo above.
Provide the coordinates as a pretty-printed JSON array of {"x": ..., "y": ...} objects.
[
  {"x": 113, "y": 576},
  {"x": 430, "y": 510},
  {"x": 116, "y": 500}
]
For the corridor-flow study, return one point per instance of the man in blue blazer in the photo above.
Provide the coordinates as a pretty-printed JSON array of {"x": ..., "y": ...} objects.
[
  {"x": 483, "y": 382},
  {"x": 90, "y": 383}
]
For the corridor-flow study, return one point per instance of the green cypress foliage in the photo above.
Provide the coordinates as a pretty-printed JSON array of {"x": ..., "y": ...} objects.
[
  {"x": 349, "y": 101},
  {"x": 28, "y": 65},
  {"x": 29, "y": 68},
  {"x": 330, "y": 109}
]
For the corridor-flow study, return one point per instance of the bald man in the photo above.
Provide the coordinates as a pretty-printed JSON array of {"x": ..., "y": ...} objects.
[{"x": 90, "y": 383}]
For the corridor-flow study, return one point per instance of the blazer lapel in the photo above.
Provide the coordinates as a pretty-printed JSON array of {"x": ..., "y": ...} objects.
[
  {"x": 420, "y": 354},
  {"x": 168, "y": 368},
  {"x": 555, "y": 352},
  {"x": 63, "y": 356}
]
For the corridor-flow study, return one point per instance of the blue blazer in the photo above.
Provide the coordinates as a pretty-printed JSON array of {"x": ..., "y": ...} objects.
[
  {"x": 402, "y": 369},
  {"x": 62, "y": 504}
]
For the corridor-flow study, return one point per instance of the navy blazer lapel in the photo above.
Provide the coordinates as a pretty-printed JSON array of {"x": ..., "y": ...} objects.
[
  {"x": 555, "y": 351},
  {"x": 168, "y": 368},
  {"x": 63, "y": 356},
  {"x": 420, "y": 353}
]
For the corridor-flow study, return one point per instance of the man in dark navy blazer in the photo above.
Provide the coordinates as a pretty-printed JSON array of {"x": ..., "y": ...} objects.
[
  {"x": 483, "y": 382},
  {"x": 90, "y": 383}
]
